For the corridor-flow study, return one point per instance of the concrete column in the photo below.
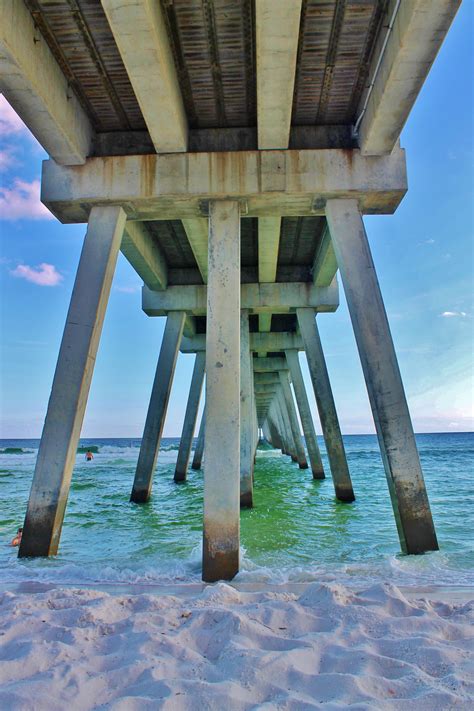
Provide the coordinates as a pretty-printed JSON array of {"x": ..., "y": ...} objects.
[
  {"x": 157, "y": 408},
  {"x": 291, "y": 444},
  {"x": 295, "y": 428},
  {"x": 305, "y": 414},
  {"x": 281, "y": 427},
  {"x": 190, "y": 417},
  {"x": 382, "y": 376},
  {"x": 222, "y": 442},
  {"x": 72, "y": 379},
  {"x": 326, "y": 407},
  {"x": 247, "y": 437},
  {"x": 198, "y": 452}
]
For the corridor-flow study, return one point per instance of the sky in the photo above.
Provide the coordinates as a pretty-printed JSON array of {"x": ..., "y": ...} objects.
[{"x": 423, "y": 256}]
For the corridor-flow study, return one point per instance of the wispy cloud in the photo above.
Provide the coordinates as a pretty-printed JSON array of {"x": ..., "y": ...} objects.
[
  {"x": 426, "y": 241},
  {"x": 42, "y": 275},
  {"x": 7, "y": 158},
  {"x": 454, "y": 314},
  {"x": 22, "y": 201},
  {"x": 10, "y": 122}
]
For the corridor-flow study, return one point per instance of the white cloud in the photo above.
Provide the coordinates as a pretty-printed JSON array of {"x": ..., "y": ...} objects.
[
  {"x": 7, "y": 158},
  {"x": 22, "y": 201},
  {"x": 454, "y": 314},
  {"x": 42, "y": 275},
  {"x": 10, "y": 122}
]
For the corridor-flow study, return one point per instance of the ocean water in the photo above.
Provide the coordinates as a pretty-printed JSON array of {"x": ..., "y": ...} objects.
[{"x": 296, "y": 532}]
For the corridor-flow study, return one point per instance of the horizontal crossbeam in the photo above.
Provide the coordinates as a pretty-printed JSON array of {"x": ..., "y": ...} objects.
[
  {"x": 257, "y": 298},
  {"x": 268, "y": 183},
  {"x": 260, "y": 342}
]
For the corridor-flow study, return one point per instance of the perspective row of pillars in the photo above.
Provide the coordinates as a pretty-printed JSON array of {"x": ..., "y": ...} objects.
[{"x": 236, "y": 404}]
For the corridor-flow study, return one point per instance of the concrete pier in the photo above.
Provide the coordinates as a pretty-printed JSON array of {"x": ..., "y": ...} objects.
[
  {"x": 72, "y": 379},
  {"x": 382, "y": 376},
  {"x": 199, "y": 451},
  {"x": 222, "y": 442},
  {"x": 190, "y": 417},
  {"x": 288, "y": 430},
  {"x": 247, "y": 425},
  {"x": 157, "y": 408},
  {"x": 326, "y": 407},
  {"x": 295, "y": 428},
  {"x": 305, "y": 415}
]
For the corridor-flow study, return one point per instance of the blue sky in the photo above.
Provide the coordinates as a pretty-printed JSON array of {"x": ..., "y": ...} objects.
[{"x": 423, "y": 255}]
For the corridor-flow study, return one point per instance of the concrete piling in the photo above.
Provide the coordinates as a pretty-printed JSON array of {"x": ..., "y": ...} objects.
[
  {"x": 293, "y": 418},
  {"x": 72, "y": 379},
  {"x": 222, "y": 442},
  {"x": 199, "y": 451},
  {"x": 247, "y": 437},
  {"x": 326, "y": 407},
  {"x": 190, "y": 417},
  {"x": 157, "y": 408},
  {"x": 382, "y": 376},
  {"x": 305, "y": 414}
]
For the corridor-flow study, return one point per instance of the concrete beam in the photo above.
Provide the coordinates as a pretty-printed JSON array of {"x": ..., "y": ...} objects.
[
  {"x": 145, "y": 256},
  {"x": 197, "y": 233},
  {"x": 269, "y": 298},
  {"x": 269, "y": 365},
  {"x": 259, "y": 342},
  {"x": 140, "y": 32},
  {"x": 325, "y": 263},
  {"x": 277, "y": 34},
  {"x": 35, "y": 86},
  {"x": 268, "y": 246},
  {"x": 418, "y": 32},
  {"x": 268, "y": 183}
]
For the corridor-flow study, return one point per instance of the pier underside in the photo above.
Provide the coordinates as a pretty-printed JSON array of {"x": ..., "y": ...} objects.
[{"x": 230, "y": 151}]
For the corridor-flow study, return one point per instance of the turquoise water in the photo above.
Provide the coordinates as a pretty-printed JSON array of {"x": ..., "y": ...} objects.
[{"x": 296, "y": 532}]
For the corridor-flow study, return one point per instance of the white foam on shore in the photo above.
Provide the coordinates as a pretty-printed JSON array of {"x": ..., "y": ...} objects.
[{"x": 222, "y": 648}]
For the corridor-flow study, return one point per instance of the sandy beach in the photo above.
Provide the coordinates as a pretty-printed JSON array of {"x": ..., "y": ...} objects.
[{"x": 218, "y": 647}]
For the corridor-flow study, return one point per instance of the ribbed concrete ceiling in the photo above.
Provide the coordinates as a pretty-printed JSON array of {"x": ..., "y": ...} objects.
[{"x": 213, "y": 44}]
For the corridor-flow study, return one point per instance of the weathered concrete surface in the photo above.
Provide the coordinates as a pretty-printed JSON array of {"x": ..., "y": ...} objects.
[
  {"x": 326, "y": 407},
  {"x": 382, "y": 376},
  {"x": 259, "y": 342},
  {"x": 418, "y": 33},
  {"x": 265, "y": 365},
  {"x": 145, "y": 256},
  {"x": 305, "y": 414},
  {"x": 222, "y": 441},
  {"x": 140, "y": 32},
  {"x": 197, "y": 234},
  {"x": 269, "y": 183},
  {"x": 35, "y": 86},
  {"x": 325, "y": 263},
  {"x": 295, "y": 428},
  {"x": 288, "y": 430},
  {"x": 268, "y": 245},
  {"x": 199, "y": 451},
  {"x": 270, "y": 298},
  {"x": 157, "y": 408},
  {"x": 277, "y": 33},
  {"x": 72, "y": 379},
  {"x": 190, "y": 417},
  {"x": 246, "y": 415}
]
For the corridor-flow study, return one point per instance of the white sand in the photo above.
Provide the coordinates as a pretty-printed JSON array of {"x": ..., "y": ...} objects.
[{"x": 224, "y": 649}]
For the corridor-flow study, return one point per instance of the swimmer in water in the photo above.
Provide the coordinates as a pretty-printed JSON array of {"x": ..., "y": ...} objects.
[
  {"x": 89, "y": 456},
  {"x": 17, "y": 540}
]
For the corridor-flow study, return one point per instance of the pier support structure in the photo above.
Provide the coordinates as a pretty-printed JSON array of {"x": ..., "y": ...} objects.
[
  {"x": 199, "y": 451},
  {"x": 326, "y": 407},
  {"x": 157, "y": 408},
  {"x": 72, "y": 379},
  {"x": 247, "y": 423},
  {"x": 293, "y": 419},
  {"x": 190, "y": 417},
  {"x": 305, "y": 414},
  {"x": 221, "y": 536},
  {"x": 382, "y": 376}
]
